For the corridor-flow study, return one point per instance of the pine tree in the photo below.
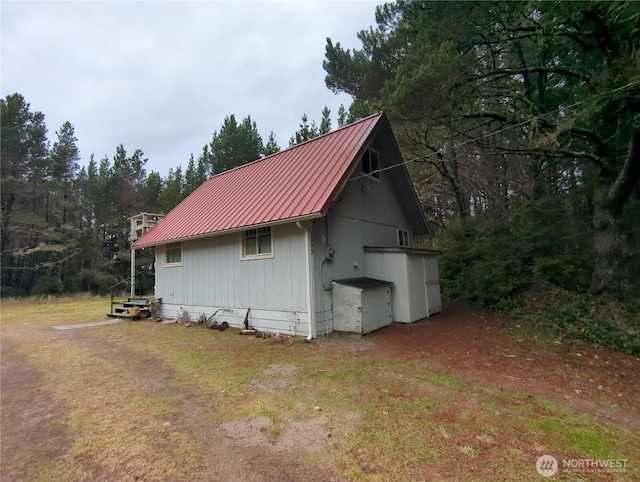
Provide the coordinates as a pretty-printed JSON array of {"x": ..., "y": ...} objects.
[
  {"x": 325, "y": 123},
  {"x": 235, "y": 144},
  {"x": 272, "y": 146}
]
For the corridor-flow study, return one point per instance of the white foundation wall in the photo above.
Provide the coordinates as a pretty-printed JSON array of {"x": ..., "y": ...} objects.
[{"x": 291, "y": 323}]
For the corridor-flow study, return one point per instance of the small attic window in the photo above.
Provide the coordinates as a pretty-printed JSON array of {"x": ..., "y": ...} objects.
[
  {"x": 403, "y": 238},
  {"x": 371, "y": 163}
]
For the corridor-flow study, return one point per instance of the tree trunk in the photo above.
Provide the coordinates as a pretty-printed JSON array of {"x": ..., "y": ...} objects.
[
  {"x": 612, "y": 249},
  {"x": 450, "y": 168},
  {"x": 612, "y": 253}
]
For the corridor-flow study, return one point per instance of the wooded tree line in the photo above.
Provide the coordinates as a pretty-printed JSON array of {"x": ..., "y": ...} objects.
[
  {"x": 519, "y": 121},
  {"x": 65, "y": 227},
  {"x": 521, "y": 125}
]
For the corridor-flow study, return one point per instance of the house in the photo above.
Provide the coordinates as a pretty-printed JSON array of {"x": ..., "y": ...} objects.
[{"x": 277, "y": 236}]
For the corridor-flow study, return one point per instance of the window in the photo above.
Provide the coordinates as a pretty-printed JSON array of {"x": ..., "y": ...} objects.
[
  {"x": 371, "y": 163},
  {"x": 173, "y": 254},
  {"x": 257, "y": 243},
  {"x": 403, "y": 238}
]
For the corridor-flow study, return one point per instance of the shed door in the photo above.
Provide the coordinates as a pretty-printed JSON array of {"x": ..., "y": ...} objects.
[
  {"x": 417, "y": 288},
  {"x": 376, "y": 308},
  {"x": 347, "y": 308},
  {"x": 432, "y": 284}
]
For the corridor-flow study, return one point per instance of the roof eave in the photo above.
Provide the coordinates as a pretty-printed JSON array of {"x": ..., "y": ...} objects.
[{"x": 238, "y": 229}]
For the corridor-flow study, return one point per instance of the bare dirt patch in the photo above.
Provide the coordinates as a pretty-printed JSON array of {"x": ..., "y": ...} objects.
[
  {"x": 277, "y": 377},
  {"x": 482, "y": 346},
  {"x": 282, "y": 369},
  {"x": 258, "y": 431},
  {"x": 31, "y": 417}
]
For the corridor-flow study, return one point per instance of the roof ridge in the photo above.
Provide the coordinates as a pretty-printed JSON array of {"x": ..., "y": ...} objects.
[
  {"x": 255, "y": 161},
  {"x": 332, "y": 132}
]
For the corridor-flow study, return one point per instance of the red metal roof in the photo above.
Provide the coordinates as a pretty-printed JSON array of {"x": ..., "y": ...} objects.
[{"x": 300, "y": 182}]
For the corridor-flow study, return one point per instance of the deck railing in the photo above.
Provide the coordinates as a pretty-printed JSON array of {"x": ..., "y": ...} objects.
[{"x": 127, "y": 285}]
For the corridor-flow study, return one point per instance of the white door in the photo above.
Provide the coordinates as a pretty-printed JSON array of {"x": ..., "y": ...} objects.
[
  {"x": 417, "y": 289},
  {"x": 376, "y": 308},
  {"x": 432, "y": 284}
]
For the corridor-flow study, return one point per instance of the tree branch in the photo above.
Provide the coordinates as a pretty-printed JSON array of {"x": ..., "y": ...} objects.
[
  {"x": 628, "y": 176},
  {"x": 536, "y": 70},
  {"x": 558, "y": 153},
  {"x": 587, "y": 134}
]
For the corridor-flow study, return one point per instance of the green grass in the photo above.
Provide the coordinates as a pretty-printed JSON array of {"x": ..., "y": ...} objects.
[
  {"x": 46, "y": 311},
  {"x": 128, "y": 388}
]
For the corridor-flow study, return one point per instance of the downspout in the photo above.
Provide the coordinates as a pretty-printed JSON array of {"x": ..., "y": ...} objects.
[
  {"x": 310, "y": 287},
  {"x": 324, "y": 331}
]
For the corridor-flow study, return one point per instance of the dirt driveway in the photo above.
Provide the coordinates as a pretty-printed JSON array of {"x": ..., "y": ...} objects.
[{"x": 177, "y": 408}]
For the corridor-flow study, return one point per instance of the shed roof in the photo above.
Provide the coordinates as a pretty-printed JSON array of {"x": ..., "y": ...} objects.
[
  {"x": 363, "y": 283},
  {"x": 298, "y": 183}
]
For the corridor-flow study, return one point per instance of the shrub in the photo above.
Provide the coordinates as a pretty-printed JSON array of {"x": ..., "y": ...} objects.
[
  {"x": 48, "y": 285},
  {"x": 581, "y": 316},
  {"x": 536, "y": 261}
]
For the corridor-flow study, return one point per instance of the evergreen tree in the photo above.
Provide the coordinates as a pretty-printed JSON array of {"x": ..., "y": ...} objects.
[
  {"x": 191, "y": 181},
  {"x": 172, "y": 190},
  {"x": 86, "y": 182},
  {"x": 25, "y": 193},
  {"x": 305, "y": 133},
  {"x": 272, "y": 146},
  {"x": 308, "y": 131},
  {"x": 65, "y": 154},
  {"x": 153, "y": 189},
  {"x": 511, "y": 101},
  {"x": 63, "y": 169},
  {"x": 325, "y": 123},
  {"x": 235, "y": 144},
  {"x": 343, "y": 116},
  {"x": 205, "y": 162}
]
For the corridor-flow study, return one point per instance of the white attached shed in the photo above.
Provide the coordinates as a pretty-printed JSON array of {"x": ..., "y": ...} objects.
[
  {"x": 415, "y": 277},
  {"x": 361, "y": 305}
]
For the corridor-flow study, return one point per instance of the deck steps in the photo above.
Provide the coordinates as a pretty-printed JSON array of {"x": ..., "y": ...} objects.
[{"x": 133, "y": 308}]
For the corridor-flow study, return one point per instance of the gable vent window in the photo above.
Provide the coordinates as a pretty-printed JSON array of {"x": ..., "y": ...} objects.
[
  {"x": 403, "y": 238},
  {"x": 173, "y": 254},
  {"x": 257, "y": 243},
  {"x": 371, "y": 163}
]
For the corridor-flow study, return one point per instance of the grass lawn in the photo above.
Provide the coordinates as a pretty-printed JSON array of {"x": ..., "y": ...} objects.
[{"x": 145, "y": 401}]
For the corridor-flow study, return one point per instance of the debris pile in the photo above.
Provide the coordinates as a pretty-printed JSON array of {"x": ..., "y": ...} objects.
[{"x": 212, "y": 324}]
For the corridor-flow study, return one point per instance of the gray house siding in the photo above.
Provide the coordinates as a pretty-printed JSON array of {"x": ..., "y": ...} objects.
[
  {"x": 213, "y": 275},
  {"x": 368, "y": 213}
]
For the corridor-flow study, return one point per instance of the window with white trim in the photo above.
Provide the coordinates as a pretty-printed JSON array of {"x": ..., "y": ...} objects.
[
  {"x": 257, "y": 243},
  {"x": 371, "y": 163},
  {"x": 403, "y": 238},
  {"x": 173, "y": 254}
]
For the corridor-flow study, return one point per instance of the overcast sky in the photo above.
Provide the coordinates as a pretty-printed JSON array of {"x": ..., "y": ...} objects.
[{"x": 162, "y": 76}]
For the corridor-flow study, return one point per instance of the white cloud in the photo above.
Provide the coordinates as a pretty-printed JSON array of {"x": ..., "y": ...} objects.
[{"x": 161, "y": 76}]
